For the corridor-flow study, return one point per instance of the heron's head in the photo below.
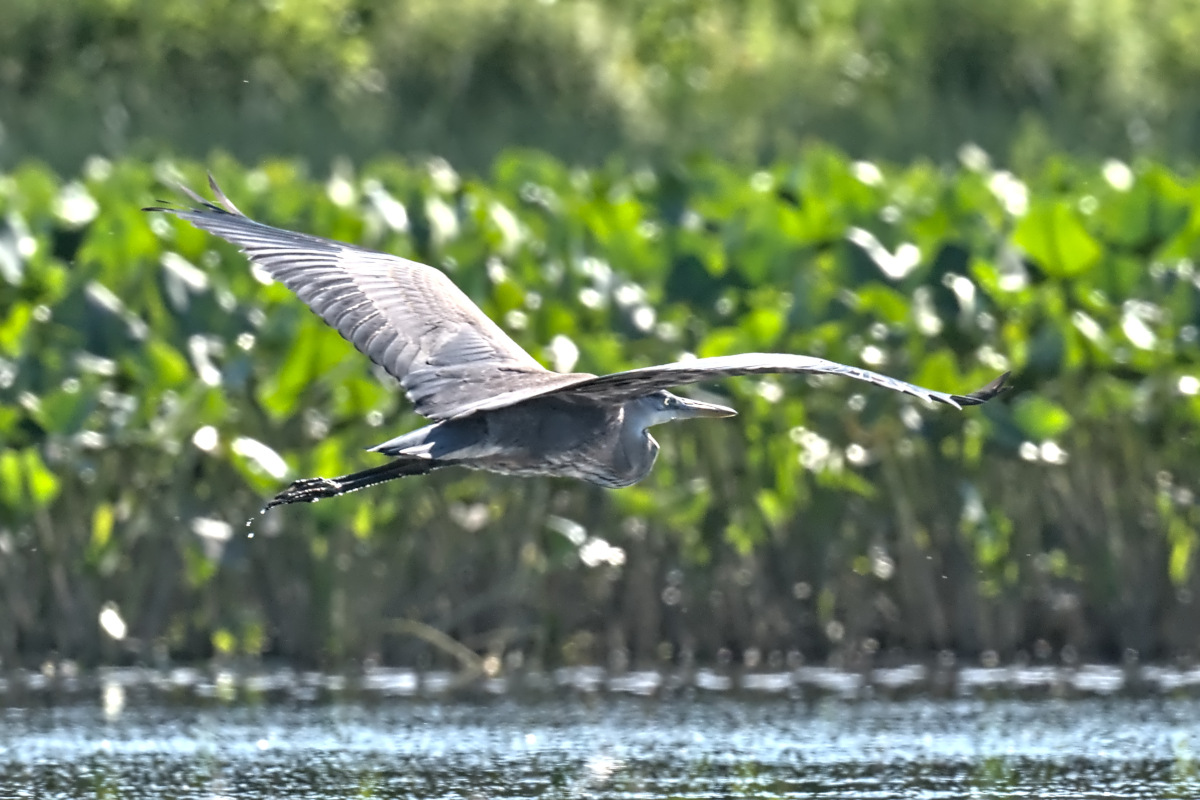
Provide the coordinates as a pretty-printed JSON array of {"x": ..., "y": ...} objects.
[{"x": 660, "y": 407}]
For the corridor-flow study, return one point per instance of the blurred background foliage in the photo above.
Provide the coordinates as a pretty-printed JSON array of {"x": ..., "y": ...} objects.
[
  {"x": 582, "y": 79},
  {"x": 155, "y": 391},
  {"x": 617, "y": 184}
]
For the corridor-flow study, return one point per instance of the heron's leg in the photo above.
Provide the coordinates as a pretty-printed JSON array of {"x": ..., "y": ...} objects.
[{"x": 309, "y": 490}]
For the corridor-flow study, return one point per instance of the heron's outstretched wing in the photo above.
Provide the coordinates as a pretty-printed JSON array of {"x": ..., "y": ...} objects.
[
  {"x": 648, "y": 379},
  {"x": 407, "y": 317},
  {"x": 635, "y": 382}
]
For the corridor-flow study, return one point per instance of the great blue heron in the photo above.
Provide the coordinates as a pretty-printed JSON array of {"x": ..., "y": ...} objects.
[{"x": 492, "y": 405}]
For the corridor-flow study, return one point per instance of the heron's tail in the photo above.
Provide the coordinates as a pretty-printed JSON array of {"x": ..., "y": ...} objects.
[{"x": 310, "y": 490}]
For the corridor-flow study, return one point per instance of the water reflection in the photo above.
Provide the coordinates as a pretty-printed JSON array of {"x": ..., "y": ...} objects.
[
  {"x": 17, "y": 687},
  {"x": 693, "y": 744}
]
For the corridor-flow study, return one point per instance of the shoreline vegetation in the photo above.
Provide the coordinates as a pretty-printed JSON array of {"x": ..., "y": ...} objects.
[
  {"x": 153, "y": 392},
  {"x": 744, "y": 80}
]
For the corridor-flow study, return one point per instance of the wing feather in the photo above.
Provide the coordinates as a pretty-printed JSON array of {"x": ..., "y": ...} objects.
[
  {"x": 636, "y": 382},
  {"x": 407, "y": 317}
]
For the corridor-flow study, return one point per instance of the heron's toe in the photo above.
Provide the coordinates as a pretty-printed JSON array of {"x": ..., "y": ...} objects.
[{"x": 306, "y": 490}]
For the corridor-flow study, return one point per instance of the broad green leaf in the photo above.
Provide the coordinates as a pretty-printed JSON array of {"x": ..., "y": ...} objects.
[
  {"x": 65, "y": 412},
  {"x": 940, "y": 369},
  {"x": 763, "y": 326},
  {"x": 883, "y": 302},
  {"x": 25, "y": 482},
  {"x": 1041, "y": 418},
  {"x": 13, "y": 329},
  {"x": 313, "y": 353},
  {"x": 1052, "y": 235},
  {"x": 170, "y": 366}
]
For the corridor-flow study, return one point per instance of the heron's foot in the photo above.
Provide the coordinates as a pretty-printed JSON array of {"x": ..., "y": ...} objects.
[{"x": 306, "y": 490}]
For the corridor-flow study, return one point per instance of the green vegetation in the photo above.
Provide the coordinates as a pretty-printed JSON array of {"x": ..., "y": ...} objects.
[
  {"x": 153, "y": 393},
  {"x": 581, "y": 79}
]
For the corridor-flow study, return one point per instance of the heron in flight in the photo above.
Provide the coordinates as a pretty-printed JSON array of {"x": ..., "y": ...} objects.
[{"x": 491, "y": 405}]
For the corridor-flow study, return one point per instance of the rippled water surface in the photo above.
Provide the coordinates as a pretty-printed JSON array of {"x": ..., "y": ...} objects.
[{"x": 692, "y": 744}]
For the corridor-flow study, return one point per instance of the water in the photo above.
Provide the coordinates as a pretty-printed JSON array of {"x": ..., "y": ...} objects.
[{"x": 688, "y": 744}]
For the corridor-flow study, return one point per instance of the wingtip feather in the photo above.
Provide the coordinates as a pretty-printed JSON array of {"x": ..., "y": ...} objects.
[
  {"x": 194, "y": 197},
  {"x": 222, "y": 198},
  {"x": 202, "y": 204},
  {"x": 980, "y": 396}
]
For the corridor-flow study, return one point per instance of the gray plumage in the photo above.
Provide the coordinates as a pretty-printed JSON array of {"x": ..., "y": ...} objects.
[{"x": 492, "y": 405}]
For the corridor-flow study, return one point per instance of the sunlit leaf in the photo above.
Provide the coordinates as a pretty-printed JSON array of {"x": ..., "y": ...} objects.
[
  {"x": 103, "y": 519},
  {"x": 314, "y": 352},
  {"x": 1053, "y": 236},
  {"x": 13, "y": 327},
  {"x": 1041, "y": 418},
  {"x": 169, "y": 365},
  {"x": 25, "y": 482},
  {"x": 1183, "y": 544}
]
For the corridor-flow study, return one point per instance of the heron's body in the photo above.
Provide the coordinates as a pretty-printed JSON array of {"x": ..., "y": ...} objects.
[
  {"x": 553, "y": 436},
  {"x": 492, "y": 406}
]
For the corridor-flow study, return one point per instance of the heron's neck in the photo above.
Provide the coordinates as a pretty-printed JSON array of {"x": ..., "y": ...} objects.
[{"x": 638, "y": 449}]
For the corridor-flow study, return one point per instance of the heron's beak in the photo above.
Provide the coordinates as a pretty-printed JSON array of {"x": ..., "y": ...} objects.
[{"x": 691, "y": 409}]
